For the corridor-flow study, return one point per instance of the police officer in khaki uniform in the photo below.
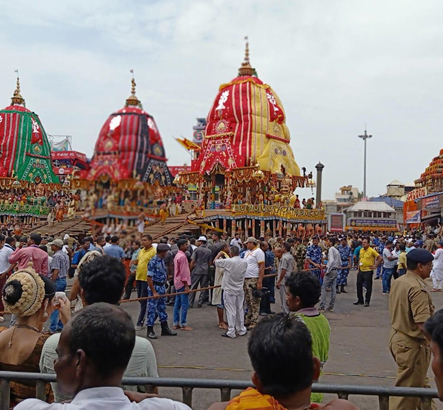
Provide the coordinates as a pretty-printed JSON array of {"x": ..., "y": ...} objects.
[{"x": 410, "y": 305}]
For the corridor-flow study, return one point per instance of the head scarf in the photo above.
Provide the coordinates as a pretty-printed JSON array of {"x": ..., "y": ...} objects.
[{"x": 32, "y": 292}]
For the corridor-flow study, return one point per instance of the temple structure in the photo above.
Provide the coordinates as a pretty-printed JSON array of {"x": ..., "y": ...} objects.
[
  {"x": 26, "y": 174},
  {"x": 245, "y": 165},
  {"x": 128, "y": 170}
]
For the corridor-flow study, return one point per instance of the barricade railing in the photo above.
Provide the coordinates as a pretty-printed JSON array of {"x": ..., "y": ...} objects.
[{"x": 225, "y": 386}]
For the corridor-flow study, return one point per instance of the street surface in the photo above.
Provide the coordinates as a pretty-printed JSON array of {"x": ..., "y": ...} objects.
[{"x": 359, "y": 353}]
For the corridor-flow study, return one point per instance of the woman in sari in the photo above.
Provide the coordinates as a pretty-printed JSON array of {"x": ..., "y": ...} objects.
[{"x": 29, "y": 296}]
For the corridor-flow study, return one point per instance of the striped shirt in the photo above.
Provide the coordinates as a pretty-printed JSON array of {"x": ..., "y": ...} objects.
[{"x": 60, "y": 261}]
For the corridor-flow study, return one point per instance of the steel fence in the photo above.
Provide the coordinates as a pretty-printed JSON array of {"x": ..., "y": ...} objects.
[{"x": 225, "y": 386}]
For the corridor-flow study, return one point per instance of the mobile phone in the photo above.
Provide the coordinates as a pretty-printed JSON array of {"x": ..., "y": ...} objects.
[{"x": 58, "y": 296}]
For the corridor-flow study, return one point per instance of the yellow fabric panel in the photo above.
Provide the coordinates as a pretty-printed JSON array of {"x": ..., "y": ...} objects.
[{"x": 269, "y": 152}]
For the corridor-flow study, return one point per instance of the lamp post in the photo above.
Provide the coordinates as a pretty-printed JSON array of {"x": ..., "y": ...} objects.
[{"x": 364, "y": 137}]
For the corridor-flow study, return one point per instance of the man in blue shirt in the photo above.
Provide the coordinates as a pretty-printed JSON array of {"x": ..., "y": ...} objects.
[
  {"x": 113, "y": 250},
  {"x": 84, "y": 248},
  {"x": 157, "y": 287},
  {"x": 314, "y": 257}
]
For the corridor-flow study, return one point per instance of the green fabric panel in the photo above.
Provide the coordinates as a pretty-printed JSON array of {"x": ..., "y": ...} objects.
[{"x": 28, "y": 167}]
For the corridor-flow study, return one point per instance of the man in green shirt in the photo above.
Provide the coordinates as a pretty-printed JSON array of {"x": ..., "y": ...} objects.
[{"x": 302, "y": 294}]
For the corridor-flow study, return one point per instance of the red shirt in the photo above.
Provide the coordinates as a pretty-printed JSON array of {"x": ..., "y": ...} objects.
[{"x": 34, "y": 254}]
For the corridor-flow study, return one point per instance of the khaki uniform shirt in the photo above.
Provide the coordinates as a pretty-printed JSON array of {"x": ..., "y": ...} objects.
[{"x": 410, "y": 304}]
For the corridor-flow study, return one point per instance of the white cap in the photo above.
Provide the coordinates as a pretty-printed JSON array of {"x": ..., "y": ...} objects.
[{"x": 202, "y": 238}]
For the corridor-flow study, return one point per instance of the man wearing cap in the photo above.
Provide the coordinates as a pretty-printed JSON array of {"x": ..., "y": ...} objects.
[
  {"x": 255, "y": 271},
  {"x": 410, "y": 305},
  {"x": 157, "y": 287},
  {"x": 200, "y": 269},
  {"x": 58, "y": 273}
]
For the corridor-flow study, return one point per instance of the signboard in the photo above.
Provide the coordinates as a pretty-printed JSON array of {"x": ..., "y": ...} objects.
[
  {"x": 68, "y": 155},
  {"x": 336, "y": 222},
  {"x": 413, "y": 217},
  {"x": 376, "y": 223},
  {"x": 432, "y": 202},
  {"x": 416, "y": 193}
]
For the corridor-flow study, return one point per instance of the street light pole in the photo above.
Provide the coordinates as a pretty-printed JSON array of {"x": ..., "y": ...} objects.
[{"x": 364, "y": 137}]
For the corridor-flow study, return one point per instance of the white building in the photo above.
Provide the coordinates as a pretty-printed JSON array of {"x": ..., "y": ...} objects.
[{"x": 371, "y": 216}]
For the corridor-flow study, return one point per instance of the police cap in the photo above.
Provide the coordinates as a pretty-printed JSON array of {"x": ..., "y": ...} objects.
[{"x": 420, "y": 256}]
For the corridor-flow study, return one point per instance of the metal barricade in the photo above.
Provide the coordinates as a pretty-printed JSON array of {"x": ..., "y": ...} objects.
[{"x": 225, "y": 387}]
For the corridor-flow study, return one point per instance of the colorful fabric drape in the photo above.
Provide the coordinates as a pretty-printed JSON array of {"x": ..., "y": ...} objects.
[
  {"x": 130, "y": 146},
  {"x": 252, "y": 399},
  {"x": 24, "y": 147},
  {"x": 247, "y": 125}
]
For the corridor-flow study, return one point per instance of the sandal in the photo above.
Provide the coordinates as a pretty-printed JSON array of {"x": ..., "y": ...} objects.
[{"x": 187, "y": 328}]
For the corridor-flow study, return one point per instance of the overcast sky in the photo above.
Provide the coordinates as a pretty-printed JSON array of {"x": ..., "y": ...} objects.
[{"x": 335, "y": 65}]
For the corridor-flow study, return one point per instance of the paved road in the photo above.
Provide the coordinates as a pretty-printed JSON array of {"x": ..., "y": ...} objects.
[{"x": 359, "y": 352}]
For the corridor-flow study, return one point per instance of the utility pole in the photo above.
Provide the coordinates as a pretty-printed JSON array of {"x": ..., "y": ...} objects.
[{"x": 364, "y": 137}]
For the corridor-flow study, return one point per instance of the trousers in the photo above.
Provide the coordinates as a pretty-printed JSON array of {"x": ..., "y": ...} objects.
[
  {"x": 329, "y": 281},
  {"x": 181, "y": 304},
  {"x": 342, "y": 278},
  {"x": 265, "y": 303},
  {"x": 129, "y": 285},
  {"x": 142, "y": 292},
  {"x": 386, "y": 279},
  {"x": 55, "y": 323},
  {"x": 252, "y": 303},
  {"x": 437, "y": 283},
  {"x": 157, "y": 307},
  {"x": 282, "y": 291},
  {"x": 364, "y": 277},
  {"x": 234, "y": 313},
  {"x": 198, "y": 281},
  {"x": 412, "y": 357}
]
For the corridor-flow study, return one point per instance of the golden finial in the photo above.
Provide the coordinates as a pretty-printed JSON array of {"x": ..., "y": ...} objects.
[
  {"x": 132, "y": 99},
  {"x": 17, "y": 98},
  {"x": 246, "y": 68}
]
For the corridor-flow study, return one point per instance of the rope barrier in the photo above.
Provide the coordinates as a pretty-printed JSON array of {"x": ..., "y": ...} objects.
[{"x": 167, "y": 295}]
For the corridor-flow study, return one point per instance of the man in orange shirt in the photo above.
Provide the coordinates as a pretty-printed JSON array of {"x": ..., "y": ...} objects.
[{"x": 368, "y": 261}]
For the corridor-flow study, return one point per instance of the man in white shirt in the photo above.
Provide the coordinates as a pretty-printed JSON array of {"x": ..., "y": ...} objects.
[
  {"x": 330, "y": 279},
  {"x": 93, "y": 274},
  {"x": 91, "y": 362},
  {"x": 285, "y": 269},
  {"x": 236, "y": 241},
  {"x": 255, "y": 271},
  {"x": 234, "y": 270}
]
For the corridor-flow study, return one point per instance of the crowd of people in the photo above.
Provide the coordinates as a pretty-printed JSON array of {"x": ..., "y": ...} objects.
[{"x": 242, "y": 277}]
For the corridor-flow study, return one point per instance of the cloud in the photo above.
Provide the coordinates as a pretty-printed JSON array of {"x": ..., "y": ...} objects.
[{"x": 335, "y": 66}]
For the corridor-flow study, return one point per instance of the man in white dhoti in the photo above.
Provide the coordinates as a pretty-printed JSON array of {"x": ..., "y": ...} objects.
[
  {"x": 437, "y": 270},
  {"x": 233, "y": 294}
]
